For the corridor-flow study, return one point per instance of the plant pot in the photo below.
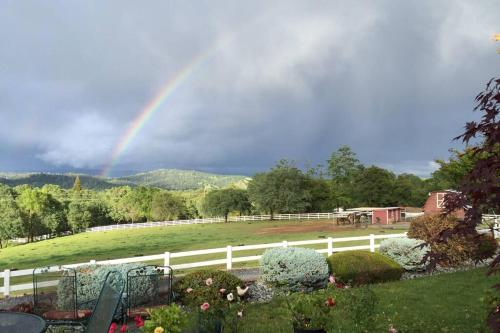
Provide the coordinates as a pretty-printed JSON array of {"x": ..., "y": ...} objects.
[{"x": 308, "y": 330}]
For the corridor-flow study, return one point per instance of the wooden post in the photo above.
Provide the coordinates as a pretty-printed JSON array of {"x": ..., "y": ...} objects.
[
  {"x": 6, "y": 282},
  {"x": 229, "y": 264},
  {"x": 330, "y": 246},
  {"x": 166, "y": 259},
  {"x": 372, "y": 243}
]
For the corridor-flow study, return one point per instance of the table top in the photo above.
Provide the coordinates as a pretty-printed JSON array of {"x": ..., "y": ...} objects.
[{"x": 11, "y": 322}]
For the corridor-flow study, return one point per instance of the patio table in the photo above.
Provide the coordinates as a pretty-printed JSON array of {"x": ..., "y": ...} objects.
[{"x": 12, "y": 322}]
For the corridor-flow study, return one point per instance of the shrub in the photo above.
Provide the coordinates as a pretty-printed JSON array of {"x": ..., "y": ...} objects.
[
  {"x": 294, "y": 268},
  {"x": 90, "y": 279},
  {"x": 361, "y": 267},
  {"x": 405, "y": 251},
  {"x": 192, "y": 289},
  {"x": 457, "y": 248}
]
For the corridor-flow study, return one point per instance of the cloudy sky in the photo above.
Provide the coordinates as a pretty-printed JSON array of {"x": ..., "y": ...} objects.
[{"x": 249, "y": 82}]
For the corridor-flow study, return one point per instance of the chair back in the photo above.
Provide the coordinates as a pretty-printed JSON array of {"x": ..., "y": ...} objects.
[
  {"x": 45, "y": 278},
  {"x": 148, "y": 285},
  {"x": 107, "y": 303}
]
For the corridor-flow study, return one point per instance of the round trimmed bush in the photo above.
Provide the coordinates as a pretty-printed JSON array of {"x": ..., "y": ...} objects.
[
  {"x": 294, "y": 268},
  {"x": 405, "y": 251},
  {"x": 192, "y": 289},
  {"x": 362, "y": 267}
]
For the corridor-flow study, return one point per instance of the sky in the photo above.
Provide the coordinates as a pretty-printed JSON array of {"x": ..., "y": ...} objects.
[{"x": 243, "y": 84}]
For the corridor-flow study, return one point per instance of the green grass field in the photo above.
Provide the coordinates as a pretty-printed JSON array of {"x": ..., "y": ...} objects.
[
  {"x": 444, "y": 303},
  {"x": 137, "y": 242}
]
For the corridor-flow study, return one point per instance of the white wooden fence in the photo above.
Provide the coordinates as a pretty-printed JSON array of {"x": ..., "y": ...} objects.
[
  {"x": 331, "y": 247},
  {"x": 302, "y": 216}
]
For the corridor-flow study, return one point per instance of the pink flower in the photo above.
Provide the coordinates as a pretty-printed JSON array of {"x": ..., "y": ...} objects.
[
  {"x": 209, "y": 281},
  {"x": 112, "y": 328},
  {"x": 188, "y": 290},
  {"x": 123, "y": 329},
  {"x": 204, "y": 306},
  {"x": 392, "y": 329},
  {"x": 330, "y": 302},
  {"x": 331, "y": 279},
  {"x": 139, "y": 322},
  {"x": 222, "y": 290}
]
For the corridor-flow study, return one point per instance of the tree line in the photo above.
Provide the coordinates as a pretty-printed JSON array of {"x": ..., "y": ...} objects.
[{"x": 27, "y": 211}]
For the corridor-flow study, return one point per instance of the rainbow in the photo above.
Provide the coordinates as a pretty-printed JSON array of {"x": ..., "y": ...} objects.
[{"x": 152, "y": 107}]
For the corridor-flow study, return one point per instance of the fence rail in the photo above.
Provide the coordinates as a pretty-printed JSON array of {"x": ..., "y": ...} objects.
[
  {"x": 331, "y": 247},
  {"x": 304, "y": 216}
]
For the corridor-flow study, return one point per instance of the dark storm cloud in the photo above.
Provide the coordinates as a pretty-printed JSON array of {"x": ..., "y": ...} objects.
[{"x": 394, "y": 80}]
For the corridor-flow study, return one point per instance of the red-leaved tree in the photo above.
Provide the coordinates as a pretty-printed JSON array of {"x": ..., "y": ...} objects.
[{"x": 480, "y": 189}]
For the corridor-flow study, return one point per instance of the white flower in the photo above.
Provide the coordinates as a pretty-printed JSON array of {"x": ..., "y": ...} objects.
[
  {"x": 230, "y": 297},
  {"x": 241, "y": 292},
  {"x": 240, "y": 313},
  {"x": 208, "y": 281},
  {"x": 188, "y": 290}
]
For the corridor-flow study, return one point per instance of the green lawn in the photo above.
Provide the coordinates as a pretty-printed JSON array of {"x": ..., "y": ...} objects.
[
  {"x": 137, "y": 242},
  {"x": 444, "y": 303}
]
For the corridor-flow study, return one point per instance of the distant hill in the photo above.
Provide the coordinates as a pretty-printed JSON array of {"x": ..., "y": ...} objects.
[
  {"x": 171, "y": 179},
  {"x": 176, "y": 179}
]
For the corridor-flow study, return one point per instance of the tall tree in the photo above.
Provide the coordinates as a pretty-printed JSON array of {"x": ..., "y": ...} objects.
[
  {"x": 409, "y": 190},
  {"x": 374, "y": 187},
  {"x": 451, "y": 173},
  {"x": 283, "y": 189},
  {"x": 10, "y": 216},
  {"x": 166, "y": 206},
  {"x": 343, "y": 166},
  {"x": 479, "y": 190},
  {"x": 77, "y": 187},
  {"x": 222, "y": 202}
]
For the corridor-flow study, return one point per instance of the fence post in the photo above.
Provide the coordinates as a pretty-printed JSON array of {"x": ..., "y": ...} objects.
[
  {"x": 6, "y": 282},
  {"x": 285, "y": 244},
  {"x": 166, "y": 259},
  {"x": 229, "y": 264},
  {"x": 330, "y": 246},
  {"x": 372, "y": 243}
]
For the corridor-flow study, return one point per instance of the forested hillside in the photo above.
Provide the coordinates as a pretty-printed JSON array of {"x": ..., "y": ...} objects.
[{"x": 171, "y": 179}]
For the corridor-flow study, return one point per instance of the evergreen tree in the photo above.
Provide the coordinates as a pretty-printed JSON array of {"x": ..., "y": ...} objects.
[{"x": 77, "y": 187}]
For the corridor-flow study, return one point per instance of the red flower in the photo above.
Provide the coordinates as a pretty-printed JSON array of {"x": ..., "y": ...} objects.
[
  {"x": 139, "y": 322},
  {"x": 330, "y": 302},
  {"x": 123, "y": 329},
  {"x": 112, "y": 328}
]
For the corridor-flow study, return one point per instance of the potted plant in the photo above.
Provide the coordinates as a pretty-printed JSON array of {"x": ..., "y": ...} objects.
[{"x": 310, "y": 312}]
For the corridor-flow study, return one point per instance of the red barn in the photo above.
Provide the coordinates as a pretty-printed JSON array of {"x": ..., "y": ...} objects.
[
  {"x": 381, "y": 215},
  {"x": 435, "y": 204}
]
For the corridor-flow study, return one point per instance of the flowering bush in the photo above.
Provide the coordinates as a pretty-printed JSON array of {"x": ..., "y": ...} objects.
[
  {"x": 206, "y": 285},
  {"x": 295, "y": 269},
  {"x": 405, "y": 251}
]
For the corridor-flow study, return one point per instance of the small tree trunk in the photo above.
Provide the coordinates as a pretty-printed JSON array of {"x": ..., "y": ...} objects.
[{"x": 225, "y": 217}]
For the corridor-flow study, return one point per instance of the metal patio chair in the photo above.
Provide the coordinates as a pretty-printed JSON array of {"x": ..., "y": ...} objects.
[
  {"x": 105, "y": 308},
  {"x": 61, "y": 306},
  {"x": 147, "y": 287}
]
